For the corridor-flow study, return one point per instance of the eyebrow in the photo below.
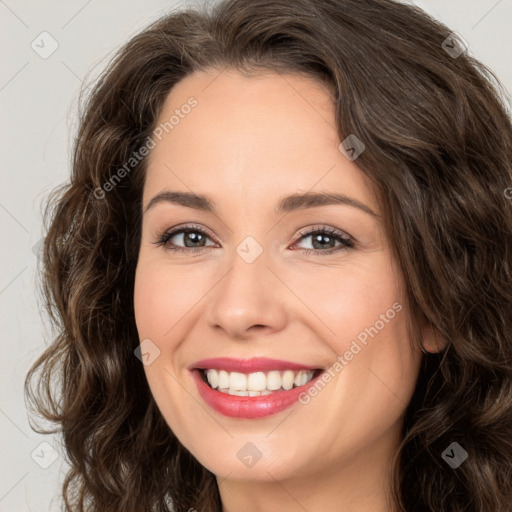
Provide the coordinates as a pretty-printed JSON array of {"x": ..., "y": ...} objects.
[{"x": 285, "y": 205}]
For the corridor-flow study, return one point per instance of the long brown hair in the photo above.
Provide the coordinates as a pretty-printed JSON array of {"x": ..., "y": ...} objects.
[{"x": 438, "y": 149}]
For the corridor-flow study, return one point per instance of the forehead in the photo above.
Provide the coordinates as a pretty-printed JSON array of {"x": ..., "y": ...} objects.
[{"x": 257, "y": 136}]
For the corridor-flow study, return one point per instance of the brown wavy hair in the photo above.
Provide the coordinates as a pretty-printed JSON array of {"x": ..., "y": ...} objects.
[{"x": 438, "y": 140}]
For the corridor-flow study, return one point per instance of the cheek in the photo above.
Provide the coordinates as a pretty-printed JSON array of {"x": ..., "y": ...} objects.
[
  {"x": 162, "y": 297},
  {"x": 147, "y": 302},
  {"x": 373, "y": 340},
  {"x": 166, "y": 302},
  {"x": 363, "y": 320},
  {"x": 161, "y": 302},
  {"x": 354, "y": 298}
]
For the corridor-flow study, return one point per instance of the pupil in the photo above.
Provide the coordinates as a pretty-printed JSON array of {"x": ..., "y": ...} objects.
[
  {"x": 194, "y": 237},
  {"x": 319, "y": 237}
]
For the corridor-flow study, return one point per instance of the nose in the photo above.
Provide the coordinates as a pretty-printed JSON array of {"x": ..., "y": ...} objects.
[{"x": 248, "y": 301}]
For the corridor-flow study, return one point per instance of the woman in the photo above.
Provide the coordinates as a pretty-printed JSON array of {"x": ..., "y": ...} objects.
[{"x": 282, "y": 269}]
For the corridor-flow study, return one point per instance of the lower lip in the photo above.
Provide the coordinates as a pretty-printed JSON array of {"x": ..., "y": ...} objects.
[{"x": 249, "y": 406}]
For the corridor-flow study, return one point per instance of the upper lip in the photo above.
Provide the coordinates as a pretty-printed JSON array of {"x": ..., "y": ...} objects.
[{"x": 249, "y": 365}]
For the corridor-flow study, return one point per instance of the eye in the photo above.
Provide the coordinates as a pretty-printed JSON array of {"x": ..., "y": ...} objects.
[
  {"x": 326, "y": 241},
  {"x": 193, "y": 237}
]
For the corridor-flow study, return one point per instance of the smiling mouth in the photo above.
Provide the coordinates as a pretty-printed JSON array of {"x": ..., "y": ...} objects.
[{"x": 256, "y": 383}]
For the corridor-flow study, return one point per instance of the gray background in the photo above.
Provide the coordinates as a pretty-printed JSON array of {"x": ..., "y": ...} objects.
[{"x": 38, "y": 99}]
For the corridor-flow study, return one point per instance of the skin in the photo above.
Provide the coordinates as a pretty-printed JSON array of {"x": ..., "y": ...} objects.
[{"x": 249, "y": 142}]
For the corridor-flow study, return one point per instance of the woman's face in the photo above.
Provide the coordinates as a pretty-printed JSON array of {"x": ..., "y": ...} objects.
[{"x": 264, "y": 272}]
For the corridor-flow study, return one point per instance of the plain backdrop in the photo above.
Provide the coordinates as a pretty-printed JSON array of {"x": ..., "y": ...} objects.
[{"x": 38, "y": 99}]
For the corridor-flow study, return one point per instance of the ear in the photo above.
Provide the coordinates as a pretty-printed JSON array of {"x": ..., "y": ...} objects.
[{"x": 433, "y": 340}]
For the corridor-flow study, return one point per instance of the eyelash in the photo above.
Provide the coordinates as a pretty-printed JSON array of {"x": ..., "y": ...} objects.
[{"x": 347, "y": 242}]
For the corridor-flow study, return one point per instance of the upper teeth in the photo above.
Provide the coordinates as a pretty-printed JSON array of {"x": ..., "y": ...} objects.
[{"x": 254, "y": 384}]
